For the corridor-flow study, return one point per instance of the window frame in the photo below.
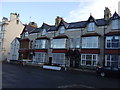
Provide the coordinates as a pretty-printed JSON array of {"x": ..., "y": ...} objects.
[
  {"x": 91, "y": 27},
  {"x": 56, "y": 42},
  {"x": 115, "y": 24},
  {"x": 87, "y": 42},
  {"x": 62, "y": 29},
  {"x": 110, "y": 61},
  {"x": 44, "y": 32},
  {"x": 109, "y": 40},
  {"x": 92, "y": 60}
]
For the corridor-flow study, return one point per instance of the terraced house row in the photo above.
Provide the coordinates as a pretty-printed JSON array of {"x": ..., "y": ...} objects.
[{"x": 77, "y": 44}]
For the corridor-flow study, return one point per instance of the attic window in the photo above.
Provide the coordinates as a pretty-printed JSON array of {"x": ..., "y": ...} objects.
[
  {"x": 62, "y": 30},
  {"x": 26, "y": 34},
  {"x": 44, "y": 32},
  {"x": 91, "y": 26},
  {"x": 115, "y": 24}
]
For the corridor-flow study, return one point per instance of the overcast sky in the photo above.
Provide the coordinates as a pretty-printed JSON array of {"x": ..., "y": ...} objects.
[{"x": 71, "y": 10}]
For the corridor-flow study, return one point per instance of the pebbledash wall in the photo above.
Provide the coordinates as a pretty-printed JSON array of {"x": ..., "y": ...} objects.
[{"x": 78, "y": 44}]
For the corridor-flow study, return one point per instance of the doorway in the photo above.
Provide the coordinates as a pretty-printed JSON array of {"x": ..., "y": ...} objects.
[{"x": 50, "y": 60}]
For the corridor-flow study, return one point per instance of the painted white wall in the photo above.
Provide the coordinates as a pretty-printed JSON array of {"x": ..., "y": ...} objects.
[
  {"x": 14, "y": 55},
  {"x": 12, "y": 30}
]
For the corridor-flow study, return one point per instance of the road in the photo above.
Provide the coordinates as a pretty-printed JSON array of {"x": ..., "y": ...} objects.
[{"x": 16, "y": 76}]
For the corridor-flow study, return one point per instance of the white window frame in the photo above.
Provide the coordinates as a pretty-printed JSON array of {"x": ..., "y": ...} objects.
[
  {"x": 43, "y": 32},
  {"x": 71, "y": 43},
  {"x": 92, "y": 60},
  {"x": 77, "y": 43},
  {"x": 40, "y": 57},
  {"x": 26, "y": 34},
  {"x": 39, "y": 44},
  {"x": 58, "y": 58},
  {"x": 109, "y": 39},
  {"x": 91, "y": 26},
  {"x": 110, "y": 61},
  {"x": 115, "y": 24},
  {"x": 62, "y": 30},
  {"x": 57, "y": 43}
]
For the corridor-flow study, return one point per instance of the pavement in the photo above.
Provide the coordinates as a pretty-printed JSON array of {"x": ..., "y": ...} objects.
[{"x": 63, "y": 69}]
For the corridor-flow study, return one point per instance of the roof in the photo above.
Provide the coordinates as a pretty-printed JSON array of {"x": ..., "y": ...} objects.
[
  {"x": 18, "y": 38},
  {"x": 35, "y": 30},
  {"x": 52, "y": 28},
  {"x": 28, "y": 29},
  {"x": 80, "y": 24}
]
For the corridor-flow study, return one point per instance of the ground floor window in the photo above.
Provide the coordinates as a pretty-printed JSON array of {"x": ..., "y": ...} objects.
[
  {"x": 40, "y": 57},
  {"x": 112, "y": 60},
  {"x": 58, "y": 58},
  {"x": 89, "y": 59}
]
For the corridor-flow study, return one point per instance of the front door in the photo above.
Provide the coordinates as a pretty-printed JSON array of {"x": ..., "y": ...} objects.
[{"x": 50, "y": 60}]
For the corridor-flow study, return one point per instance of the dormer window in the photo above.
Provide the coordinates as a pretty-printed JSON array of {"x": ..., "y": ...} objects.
[
  {"x": 26, "y": 34},
  {"x": 44, "y": 32},
  {"x": 62, "y": 30},
  {"x": 91, "y": 26},
  {"x": 115, "y": 24}
]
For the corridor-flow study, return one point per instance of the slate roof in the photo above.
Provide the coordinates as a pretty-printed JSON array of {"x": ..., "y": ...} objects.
[
  {"x": 80, "y": 24},
  {"x": 28, "y": 29},
  {"x": 35, "y": 30},
  {"x": 18, "y": 38}
]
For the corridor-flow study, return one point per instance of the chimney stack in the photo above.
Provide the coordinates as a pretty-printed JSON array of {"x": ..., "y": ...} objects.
[
  {"x": 107, "y": 13},
  {"x": 58, "y": 20}
]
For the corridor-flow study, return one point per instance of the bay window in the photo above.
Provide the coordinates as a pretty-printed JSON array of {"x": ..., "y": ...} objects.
[
  {"x": 91, "y": 26},
  {"x": 58, "y": 43},
  {"x": 77, "y": 43},
  {"x": 40, "y": 57},
  {"x": 89, "y": 59},
  {"x": 90, "y": 42},
  {"x": 40, "y": 44},
  {"x": 71, "y": 42},
  {"x": 113, "y": 42},
  {"x": 112, "y": 60},
  {"x": 58, "y": 58},
  {"x": 74, "y": 42}
]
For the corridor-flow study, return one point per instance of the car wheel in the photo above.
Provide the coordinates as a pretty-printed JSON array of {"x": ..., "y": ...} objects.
[{"x": 102, "y": 74}]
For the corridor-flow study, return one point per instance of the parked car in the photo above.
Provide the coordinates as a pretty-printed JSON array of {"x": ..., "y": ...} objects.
[{"x": 108, "y": 71}]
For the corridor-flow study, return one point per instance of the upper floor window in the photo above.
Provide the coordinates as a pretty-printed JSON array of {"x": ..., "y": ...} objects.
[
  {"x": 74, "y": 42},
  {"x": 115, "y": 24},
  {"x": 58, "y": 43},
  {"x": 91, "y": 26},
  {"x": 26, "y": 34},
  {"x": 40, "y": 44},
  {"x": 113, "y": 42},
  {"x": 44, "y": 32},
  {"x": 62, "y": 30},
  {"x": 71, "y": 43},
  {"x": 90, "y": 42},
  {"x": 77, "y": 43}
]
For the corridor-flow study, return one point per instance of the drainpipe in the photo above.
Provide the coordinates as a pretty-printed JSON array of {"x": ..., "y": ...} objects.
[{"x": 104, "y": 46}]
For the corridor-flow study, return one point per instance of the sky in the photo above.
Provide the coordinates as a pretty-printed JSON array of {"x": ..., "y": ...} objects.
[{"x": 46, "y": 11}]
